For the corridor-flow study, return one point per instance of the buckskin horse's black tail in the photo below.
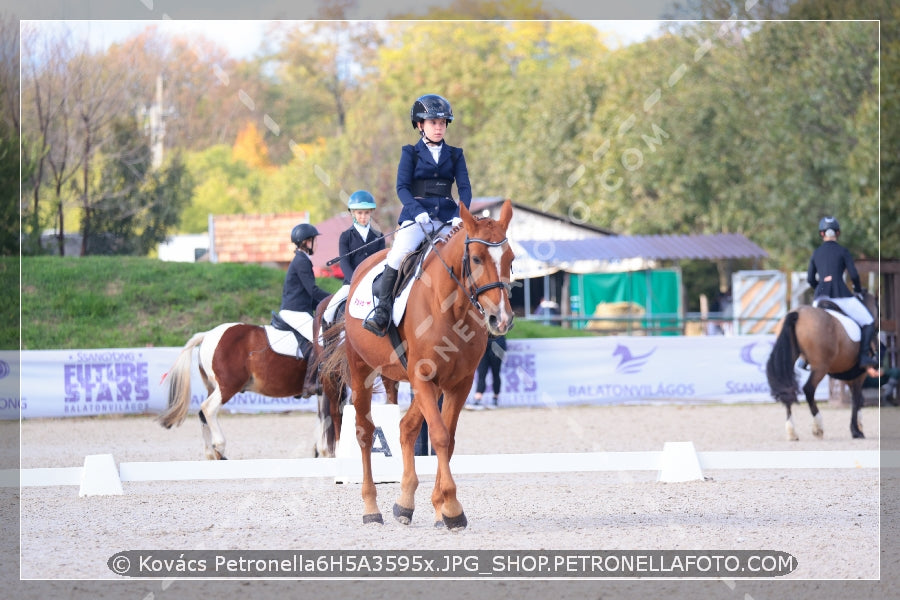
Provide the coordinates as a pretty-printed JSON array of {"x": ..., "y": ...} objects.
[{"x": 780, "y": 366}]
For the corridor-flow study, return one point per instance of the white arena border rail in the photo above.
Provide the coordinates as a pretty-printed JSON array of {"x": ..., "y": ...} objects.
[{"x": 676, "y": 462}]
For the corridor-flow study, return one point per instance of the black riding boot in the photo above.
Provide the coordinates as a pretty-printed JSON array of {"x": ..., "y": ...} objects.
[
  {"x": 866, "y": 359},
  {"x": 378, "y": 322}
]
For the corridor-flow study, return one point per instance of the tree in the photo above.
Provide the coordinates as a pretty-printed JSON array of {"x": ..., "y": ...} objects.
[
  {"x": 322, "y": 64},
  {"x": 250, "y": 147},
  {"x": 137, "y": 206},
  {"x": 205, "y": 92},
  {"x": 98, "y": 97},
  {"x": 9, "y": 138},
  {"x": 888, "y": 226},
  {"x": 46, "y": 139}
]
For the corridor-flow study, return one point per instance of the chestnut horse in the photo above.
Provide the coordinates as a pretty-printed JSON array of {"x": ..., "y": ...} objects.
[
  {"x": 460, "y": 295},
  {"x": 822, "y": 341},
  {"x": 333, "y": 394},
  {"x": 233, "y": 357}
]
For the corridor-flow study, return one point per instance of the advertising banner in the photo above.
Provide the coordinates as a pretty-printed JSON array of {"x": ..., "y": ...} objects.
[
  {"x": 535, "y": 372},
  {"x": 63, "y": 383}
]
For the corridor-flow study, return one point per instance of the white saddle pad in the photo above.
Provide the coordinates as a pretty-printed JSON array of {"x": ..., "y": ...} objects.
[
  {"x": 363, "y": 302},
  {"x": 333, "y": 304},
  {"x": 283, "y": 342},
  {"x": 850, "y": 326}
]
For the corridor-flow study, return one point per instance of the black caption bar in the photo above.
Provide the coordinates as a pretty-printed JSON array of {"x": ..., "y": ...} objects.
[{"x": 587, "y": 564}]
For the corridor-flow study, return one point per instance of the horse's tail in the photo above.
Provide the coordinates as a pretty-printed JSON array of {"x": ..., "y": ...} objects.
[
  {"x": 180, "y": 385},
  {"x": 333, "y": 358},
  {"x": 780, "y": 366}
]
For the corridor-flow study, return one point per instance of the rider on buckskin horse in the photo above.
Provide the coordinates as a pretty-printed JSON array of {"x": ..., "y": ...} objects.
[{"x": 826, "y": 276}]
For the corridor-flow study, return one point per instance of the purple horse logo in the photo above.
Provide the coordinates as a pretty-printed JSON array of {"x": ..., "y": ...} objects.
[
  {"x": 630, "y": 363},
  {"x": 756, "y": 354}
]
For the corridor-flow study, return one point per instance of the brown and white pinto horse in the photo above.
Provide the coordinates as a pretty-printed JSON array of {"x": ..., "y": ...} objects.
[
  {"x": 233, "y": 358},
  {"x": 462, "y": 294},
  {"x": 823, "y": 342},
  {"x": 333, "y": 393}
]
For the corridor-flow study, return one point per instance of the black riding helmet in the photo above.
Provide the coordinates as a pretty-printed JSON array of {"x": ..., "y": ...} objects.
[
  {"x": 303, "y": 231},
  {"x": 829, "y": 223},
  {"x": 430, "y": 106}
]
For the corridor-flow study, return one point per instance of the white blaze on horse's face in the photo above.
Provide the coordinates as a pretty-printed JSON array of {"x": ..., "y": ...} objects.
[{"x": 504, "y": 318}]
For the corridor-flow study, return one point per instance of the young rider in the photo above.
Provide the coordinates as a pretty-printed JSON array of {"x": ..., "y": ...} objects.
[
  {"x": 361, "y": 240},
  {"x": 300, "y": 294},
  {"x": 425, "y": 176}
]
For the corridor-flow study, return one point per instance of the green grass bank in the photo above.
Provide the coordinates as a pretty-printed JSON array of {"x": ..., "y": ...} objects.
[{"x": 130, "y": 302}]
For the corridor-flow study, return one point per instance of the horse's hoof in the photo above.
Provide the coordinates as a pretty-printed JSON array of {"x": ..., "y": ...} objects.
[
  {"x": 438, "y": 524},
  {"x": 457, "y": 522},
  {"x": 858, "y": 435},
  {"x": 403, "y": 514},
  {"x": 373, "y": 518}
]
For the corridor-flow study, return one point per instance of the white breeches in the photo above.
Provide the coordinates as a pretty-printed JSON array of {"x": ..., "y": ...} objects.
[
  {"x": 855, "y": 309},
  {"x": 408, "y": 239},
  {"x": 301, "y": 321}
]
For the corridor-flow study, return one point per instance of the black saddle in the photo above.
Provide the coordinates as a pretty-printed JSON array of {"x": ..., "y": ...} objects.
[
  {"x": 282, "y": 325},
  {"x": 827, "y": 304},
  {"x": 411, "y": 265}
]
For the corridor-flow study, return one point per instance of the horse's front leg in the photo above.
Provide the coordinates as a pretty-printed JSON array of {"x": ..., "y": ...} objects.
[
  {"x": 365, "y": 434},
  {"x": 410, "y": 425},
  {"x": 213, "y": 438},
  {"x": 447, "y": 508},
  {"x": 809, "y": 390}
]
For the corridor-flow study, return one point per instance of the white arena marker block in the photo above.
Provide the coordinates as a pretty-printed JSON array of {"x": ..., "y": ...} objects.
[
  {"x": 679, "y": 462},
  {"x": 100, "y": 477},
  {"x": 387, "y": 462}
]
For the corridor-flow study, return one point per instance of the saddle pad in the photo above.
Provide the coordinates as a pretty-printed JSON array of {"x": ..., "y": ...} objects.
[
  {"x": 283, "y": 342},
  {"x": 338, "y": 297},
  {"x": 850, "y": 326},
  {"x": 363, "y": 301}
]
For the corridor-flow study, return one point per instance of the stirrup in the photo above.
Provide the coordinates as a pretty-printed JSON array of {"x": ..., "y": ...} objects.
[{"x": 370, "y": 325}]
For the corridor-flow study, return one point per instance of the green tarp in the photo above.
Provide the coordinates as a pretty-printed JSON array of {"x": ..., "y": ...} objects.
[{"x": 655, "y": 295}]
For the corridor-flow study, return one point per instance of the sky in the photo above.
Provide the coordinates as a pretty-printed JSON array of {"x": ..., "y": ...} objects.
[{"x": 242, "y": 38}]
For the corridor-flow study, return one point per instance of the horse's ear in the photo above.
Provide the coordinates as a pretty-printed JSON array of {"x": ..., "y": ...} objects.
[
  {"x": 467, "y": 218},
  {"x": 505, "y": 213}
]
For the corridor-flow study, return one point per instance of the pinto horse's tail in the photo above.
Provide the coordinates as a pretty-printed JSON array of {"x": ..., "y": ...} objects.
[
  {"x": 180, "y": 385},
  {"x": 780, "y": 366}
]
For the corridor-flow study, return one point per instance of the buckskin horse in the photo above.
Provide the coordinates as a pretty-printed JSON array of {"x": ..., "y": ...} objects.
[
  {"x": 459, "y": 295},
  {"x": 818, "y": 336},
  {"x": 233, "y": 358}
]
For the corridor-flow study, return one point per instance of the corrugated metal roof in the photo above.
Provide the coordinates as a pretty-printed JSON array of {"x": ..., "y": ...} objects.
[{"x": 647, "y": 247}]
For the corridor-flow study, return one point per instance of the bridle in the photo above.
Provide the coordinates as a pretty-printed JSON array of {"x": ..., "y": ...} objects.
[{"x": 472, "y": 292}]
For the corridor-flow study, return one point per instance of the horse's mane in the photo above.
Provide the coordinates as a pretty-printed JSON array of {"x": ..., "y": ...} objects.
[{"x": 453, "y": 231}]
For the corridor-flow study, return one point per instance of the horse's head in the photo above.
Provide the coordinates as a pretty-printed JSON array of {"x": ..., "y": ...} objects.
[{"x": 487, "y": 266}]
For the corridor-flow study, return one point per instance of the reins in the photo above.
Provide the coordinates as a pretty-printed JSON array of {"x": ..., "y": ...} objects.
[{"x": 474, "y": 292}]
